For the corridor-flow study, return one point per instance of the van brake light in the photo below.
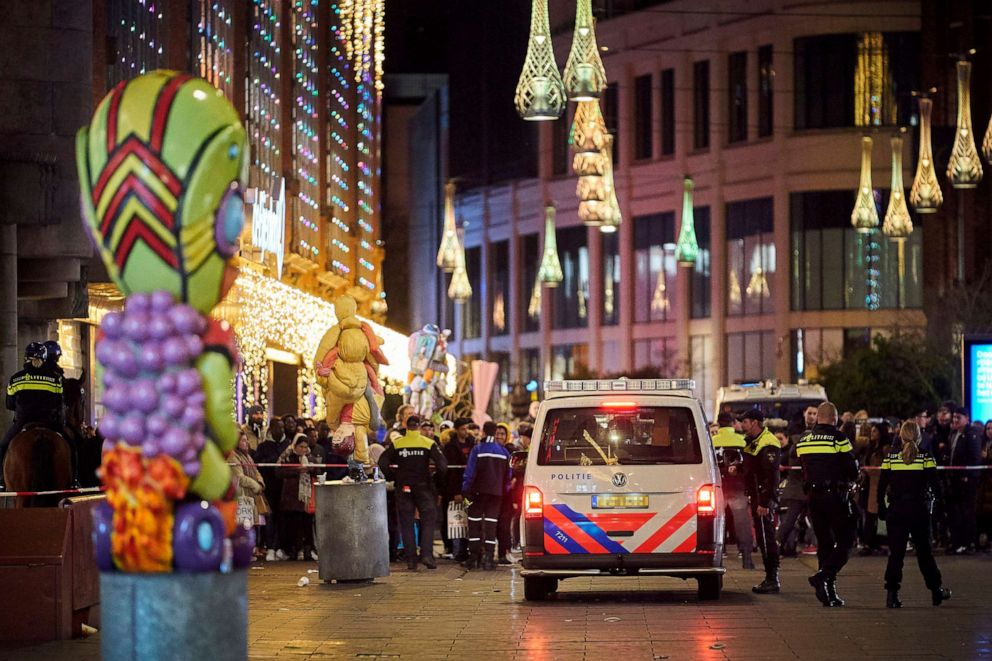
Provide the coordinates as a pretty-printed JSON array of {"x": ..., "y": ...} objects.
[
  {"x": 533, "y": 503},
  {"x": 619, "y": 405},
  {"x": 706, "y": 500}
]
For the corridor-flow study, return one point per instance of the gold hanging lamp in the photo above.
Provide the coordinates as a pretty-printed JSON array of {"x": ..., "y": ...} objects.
[
  {"x": 447, "y": 253},
  {"x": 540, "y": 92},
  {"x": 898, "y": 224},
  {"x": 550, "y": 273},
  {"x": 585, "y": 76},
  {"x": 460, "y": 289},
  {"x": 925, "y": 195},
  {"x": 865, "y": 215},
  {"x": 964, "y": 169},
  {"x": 687, "y": 248}
]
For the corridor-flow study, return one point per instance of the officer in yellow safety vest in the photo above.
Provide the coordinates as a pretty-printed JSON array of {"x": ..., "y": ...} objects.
[
  {"x": 729, "y": 447},
  {"x": 761, "y": 470},
  {"x": 829, "y": 470}
]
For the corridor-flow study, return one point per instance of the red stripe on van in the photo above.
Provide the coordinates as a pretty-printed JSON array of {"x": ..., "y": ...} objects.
[
  {"x": 553, "y": 547},
  {"x": 688, "y": 546},
  {"x": 575, "y": 531},
  {"x": 667, "y": 530}
]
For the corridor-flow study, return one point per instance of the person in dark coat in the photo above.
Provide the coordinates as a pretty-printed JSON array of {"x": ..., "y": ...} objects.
[
  {"x": 268, "y": 452},
  {"x": 964, "y": 449},
  {"x": 456, "y": 454},
  {"x": 294, "y": 503},
  {"x": 485, "y": 483}
]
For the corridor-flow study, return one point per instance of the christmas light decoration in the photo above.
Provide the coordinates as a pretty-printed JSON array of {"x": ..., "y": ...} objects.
[
  {"x": 585, "y": 76},
  {"x": 874, "y": 101},
  {"x": 137, "y": 29},
  {"x": 687, "y": 249},
  {"x": 540, "y": 93},
  {"x": 925, "y": 195},
  {"x": 215, "y": 59},
  {"x": 460, "y": 289},
  {"x": 865, "y": 215},
  {"x": 898, "y": 224},
  {"x": 447, "y": 253},
  {"x": 549, "y": 272},
  {"x": 964, "y": 169},
  {"x": 363, "y": 33},
  {"x": 306, "y": 141}
]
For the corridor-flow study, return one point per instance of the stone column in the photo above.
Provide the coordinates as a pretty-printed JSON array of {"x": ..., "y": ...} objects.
[{"x": 8, "y": 310}]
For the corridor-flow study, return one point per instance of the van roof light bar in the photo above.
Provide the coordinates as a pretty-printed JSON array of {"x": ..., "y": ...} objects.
[{"x": 618, "y": 385}]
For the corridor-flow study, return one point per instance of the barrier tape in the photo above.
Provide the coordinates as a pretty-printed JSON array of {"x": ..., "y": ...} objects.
[
  {"x": 14, "y": 494},
  {"x": 981, "y": 467}
]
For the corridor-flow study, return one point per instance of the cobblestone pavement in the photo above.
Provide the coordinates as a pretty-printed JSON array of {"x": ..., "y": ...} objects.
[{"x": 451, "y": 614}]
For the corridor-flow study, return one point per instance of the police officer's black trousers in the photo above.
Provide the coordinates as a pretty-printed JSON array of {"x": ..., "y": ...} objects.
[
  {"x": 420, "y": 497},
  {"x": 905, "y": 521},
  {"x": 483, "y": 517},
  {"x": 766, "y": 526},
  {"x": 835, "y": 528}
]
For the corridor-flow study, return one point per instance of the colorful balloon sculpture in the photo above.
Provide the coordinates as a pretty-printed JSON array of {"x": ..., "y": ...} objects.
[
  {"x": 347, "y": 363},
  {"x": 427, "y": 380},
  {"x": 161, "y": 167}
]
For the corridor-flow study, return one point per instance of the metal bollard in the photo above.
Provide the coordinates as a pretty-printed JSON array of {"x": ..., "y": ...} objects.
[{"x": 352, "y": 531}]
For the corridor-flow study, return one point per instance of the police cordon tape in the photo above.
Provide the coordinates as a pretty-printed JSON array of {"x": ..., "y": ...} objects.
[{"x": 85, "y": 490}]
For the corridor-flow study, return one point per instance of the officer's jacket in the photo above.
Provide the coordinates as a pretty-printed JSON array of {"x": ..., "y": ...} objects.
[
  {"x": 729, "y": 446},
  {"x": 412, "y": 455},
  {"x": 36, "y": 396},
  {"x": 488, "y": 470},
  {"x": 761, "y": 466},
  {"x": 827, "y": 457},
  {"x": 914, "y": 483}
]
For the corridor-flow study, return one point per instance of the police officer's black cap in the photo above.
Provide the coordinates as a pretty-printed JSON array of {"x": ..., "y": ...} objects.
[
  {"x": 752, "y": 414},
  {"x": 725, "y": 419},
  {"x": 414, "y": 422}
]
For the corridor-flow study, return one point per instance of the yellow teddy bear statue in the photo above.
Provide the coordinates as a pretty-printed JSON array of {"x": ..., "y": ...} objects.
[{"x": 347, "y": 364}]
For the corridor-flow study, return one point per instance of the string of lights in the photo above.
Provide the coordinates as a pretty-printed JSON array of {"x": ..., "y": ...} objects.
[
  {"x": 214, "y": 31},
  {"x": 306, "y": 141}
]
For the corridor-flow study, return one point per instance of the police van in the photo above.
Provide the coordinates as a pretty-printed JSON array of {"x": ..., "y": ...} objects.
[{"x": 621, "y": 480}]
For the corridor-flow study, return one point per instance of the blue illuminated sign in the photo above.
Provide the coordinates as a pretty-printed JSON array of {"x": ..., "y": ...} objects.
[{"x": 977, "y": 376}]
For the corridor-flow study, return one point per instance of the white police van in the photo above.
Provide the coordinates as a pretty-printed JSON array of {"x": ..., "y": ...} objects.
[{"x": 621, "y": 480}]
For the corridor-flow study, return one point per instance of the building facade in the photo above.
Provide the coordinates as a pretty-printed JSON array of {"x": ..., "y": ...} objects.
[{"x": 765, "y": 111}]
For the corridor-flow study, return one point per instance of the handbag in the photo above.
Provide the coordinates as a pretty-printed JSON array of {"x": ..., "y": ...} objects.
[{"x": 457, "y": 521}]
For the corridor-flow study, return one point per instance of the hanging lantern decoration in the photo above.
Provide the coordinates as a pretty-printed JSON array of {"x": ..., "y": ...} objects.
[
  {"x": 550, "y": 273},
  {"x": 897, "y": 225},
  {"x": 460, "y": 289},
  {"x": 925, "y": 195},
  {"x": 602, "y": 209},
  {"x": 447, "y": 254},
  {"x": 687, "y": 249},
  {"x": 964, "y": 169},
  {"x": 865, "y": 215},
  {"x": 987, "y": 143},
  {"x": 540, "y": 93},
  {"x": 585, "y": 76},
  {"x": 588, "y": 137}
]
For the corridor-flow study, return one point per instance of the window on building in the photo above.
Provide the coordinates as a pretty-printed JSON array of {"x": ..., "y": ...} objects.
[
  {"x": 611, "y": 117},
  {"x": 654, "y": 267},
  {"x": 737, "y": 96},
  {"x": 531, "y": 369},
  {"x": 610, "y": 249},
  {"x": 642, "y": 117},
  {"x": 560, "y": 148},
  {"x": 530, "y": 290},
  {"x": 750, "y": 257},
  {"x": 499, "y": 304},
  {"x": 571, "y": 297},
  {"x": 661, "y": 353},
  {"x": 766, "y": 101},
  {"x": 750, "y": 356},
  {"x": 668, "y": 112},
  {"x": 701, "y": 295},
  {"x": 813, "y": 349},
  {"x": 472, "y": 309},
  {"x": 860, "y": 79},
  {"x": 701, "y": 359},
  {"x": 701, "y": 105},
  {"x": 837, "y": 268},
  {"x": 569, "y": 361}
]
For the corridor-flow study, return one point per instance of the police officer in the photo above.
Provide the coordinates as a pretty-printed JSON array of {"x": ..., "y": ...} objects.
[
  {"x": 729, "y": 446},
  {"x": 909, "y": 478},
  {"x": 829, "y": 470},
  {"x": 411, "y": 454},
  {"x": 53, "y": 354},
  {"x": 35, "y": 396},
  {"x": 761, "y": 471}
]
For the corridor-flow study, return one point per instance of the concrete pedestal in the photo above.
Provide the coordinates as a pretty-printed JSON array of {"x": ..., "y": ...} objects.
[
  {"x": 174, "y": 616},
  {"x": 352, "y": 531}
]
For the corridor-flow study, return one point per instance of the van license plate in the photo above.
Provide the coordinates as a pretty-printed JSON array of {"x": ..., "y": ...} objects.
[{"x": 619, "y": 501}]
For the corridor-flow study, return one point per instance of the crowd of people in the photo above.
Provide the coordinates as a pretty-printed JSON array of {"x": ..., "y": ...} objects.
[{"x": 436, "y": 475}]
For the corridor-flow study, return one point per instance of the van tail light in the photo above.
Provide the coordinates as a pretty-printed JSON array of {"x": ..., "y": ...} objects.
[
  {"x": 706, "y": 500},
  {"x": 533, "y": 503}
]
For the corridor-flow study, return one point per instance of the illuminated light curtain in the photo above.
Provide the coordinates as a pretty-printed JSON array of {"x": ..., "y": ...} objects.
[
  {"x": 874, "y": 100},
  {"x": 363, "y": 33},
  {"x": 341, "y": 173},
  {"x": 897, "y": 224},
  {"x": 964, "y": 169},
  {"x": 214, "y": 32},
  {"x": 306, "y": 141},
  {"x": 460, "y": 289},
  {"x": 864, "y": 218},
  {"x": 137, "y": 29},
  {"x": 262, "y": 96},
  {"x": 540, "y": 93},
  {"x": 585, "y": 76},
  {"x": 687, "y": 248},
  {"x": 447, "y": 254},
  {"x": 925, "y": 195},
  {"x": 550, "y": 274}
]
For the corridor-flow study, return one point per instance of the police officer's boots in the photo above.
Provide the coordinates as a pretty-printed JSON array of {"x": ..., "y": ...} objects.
[
  {"x": 939, "y": 595},
  {"x": 835, "y": 600},
  {"x": 487, "y": 562},
  {"x": 768, "y": 586},
  {"x": 892, "y": 599},
  {"x": 819, "y": 583},
  {"x": 746, "y": 561}
]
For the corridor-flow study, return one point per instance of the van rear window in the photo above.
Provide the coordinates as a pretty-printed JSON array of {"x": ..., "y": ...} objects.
[{"x": 601, "y": 436}]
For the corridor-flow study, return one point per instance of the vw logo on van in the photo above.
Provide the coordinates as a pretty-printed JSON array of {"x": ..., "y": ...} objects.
[{"x": 619, "y": 480}]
